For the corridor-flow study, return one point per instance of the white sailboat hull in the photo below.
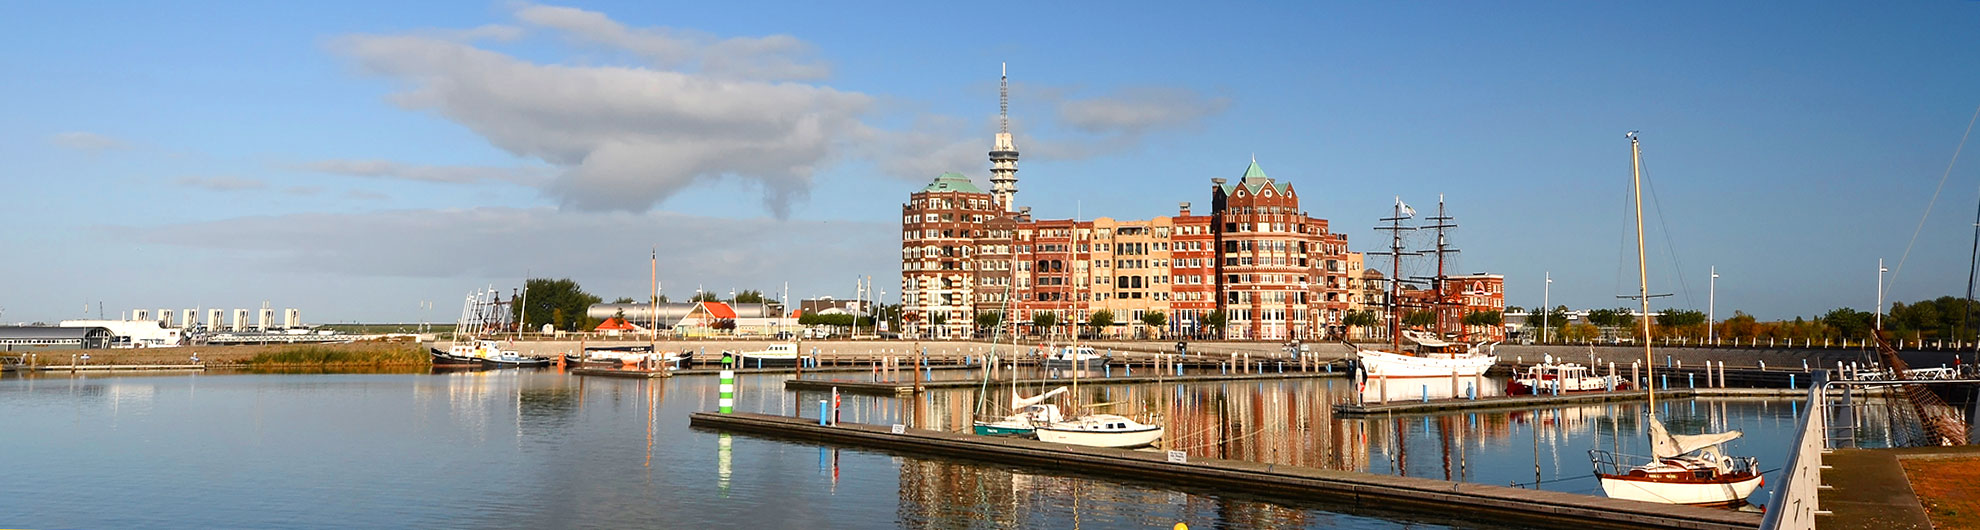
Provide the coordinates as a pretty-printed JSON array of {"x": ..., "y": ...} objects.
[
  {"x": 1376, "y": 363},
  {"x": 1698, "y": 493},
  {"x": 1100, "y": 438}
]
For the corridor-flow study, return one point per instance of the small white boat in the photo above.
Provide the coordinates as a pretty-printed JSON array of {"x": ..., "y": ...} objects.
[
  {"x": 784, "y": 354},
  {"x": 1550, "y": 377},
  {"x": 1100, "y": 430},
  {"x": 1068, "y": 357},
  {"x": 1028, "y": 416}
]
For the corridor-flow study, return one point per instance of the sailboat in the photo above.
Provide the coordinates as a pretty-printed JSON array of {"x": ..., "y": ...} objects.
[
  {"x": 1432, "y": 355},
  {"x": 1026, "y": 412},
  {"x": 1681, "y": 469},
  {"x": 1095, "y": 430}
]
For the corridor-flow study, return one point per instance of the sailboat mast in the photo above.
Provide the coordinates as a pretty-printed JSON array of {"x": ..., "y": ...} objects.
[
  {"x": 1642, "y": 265},
  {"x": 1395, "y": 276},
  {"x": 653, "y": 301}
]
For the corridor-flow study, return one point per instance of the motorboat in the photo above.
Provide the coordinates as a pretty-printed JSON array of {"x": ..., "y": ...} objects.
[
  {"x": 774, "y": 355},
  {"x": 1081, "y": 357},
  {"x": 1100, "y": 430},
  {"x": 625, "y": 356},
  {"x": 1551, "y": 377}
]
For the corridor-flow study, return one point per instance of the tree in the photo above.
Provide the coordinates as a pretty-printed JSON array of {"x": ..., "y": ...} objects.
[
  {"x": 1043, "y": 321},
  {"x": 1483, "y": 318},
  {"x": 560, "y": 303},
  {"x": 1682, "y": 323},
  {"x": 705, "y": 297},
  {"x": 1624, "y": 318},
  {"x": 752, "y": 296},
  {"x": 1849, "y": 323},
  {"x": 989, "y": 320},
  {"x": 623, "y": 300},
  {"x": 1740, "y": 326},
  {"x": 1155, "y": 320},
  {"x": 1419, "y": 318},
  {"x": 1216, "y": 319},
  {"x": 1360, "y": 319},
  {"x": 1602, "y": 317},
  {"x": 1099, "y": 321}
]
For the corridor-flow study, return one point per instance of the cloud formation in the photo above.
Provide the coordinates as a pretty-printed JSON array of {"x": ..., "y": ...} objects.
[
  {"x": 385, "y": 169},
  {"x": 88, "y": 142},
  {"x": 774, "y": 57},
  {"x": 221, "y": 183},
  {"x": 450, "y": 244},
  {"x": 625, "y": 138},
  {"x": 696, "y": 108}
]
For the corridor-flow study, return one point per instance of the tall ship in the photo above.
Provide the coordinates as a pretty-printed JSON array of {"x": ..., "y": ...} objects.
[{"x": 1429, "y": 353}]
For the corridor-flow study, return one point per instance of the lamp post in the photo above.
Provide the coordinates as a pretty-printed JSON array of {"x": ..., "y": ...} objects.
[
  {"x": 1880, "y": 292},
  {"x": 1546, "y": 302},
  {"x": 1712, "y": 304}
]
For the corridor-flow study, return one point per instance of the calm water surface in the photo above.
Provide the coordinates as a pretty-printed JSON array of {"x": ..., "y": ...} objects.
[{"x": 541, "y": 449}]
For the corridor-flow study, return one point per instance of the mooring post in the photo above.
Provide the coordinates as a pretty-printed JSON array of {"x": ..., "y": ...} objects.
[
  {"x": 1426, "y": 393},
  {"x": 1691, "y": 381},
  {"x": 727, "y": 392},
  {"x": 823, "y": 413},
  {"x": 1790, "y": 381},
  {"x": 835, "y": 405},
  {"x": 1667, "y": 381}
]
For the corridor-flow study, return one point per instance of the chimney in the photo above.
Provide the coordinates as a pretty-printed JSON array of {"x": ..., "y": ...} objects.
[
  {"x": 1217, "y": 181},
  {"x": 1185, "y": 208}
]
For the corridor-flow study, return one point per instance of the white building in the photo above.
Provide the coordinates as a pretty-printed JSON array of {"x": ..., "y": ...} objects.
[{"x": 134, "y": 333}]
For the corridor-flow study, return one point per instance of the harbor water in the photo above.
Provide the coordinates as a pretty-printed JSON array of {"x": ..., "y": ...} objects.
[{"x": 542, "y": 449}]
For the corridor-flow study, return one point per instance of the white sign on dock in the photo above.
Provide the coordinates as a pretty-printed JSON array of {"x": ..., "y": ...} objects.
[
  {"x": 1178, "y": 457},
  {"x": 900, "y": 429}
]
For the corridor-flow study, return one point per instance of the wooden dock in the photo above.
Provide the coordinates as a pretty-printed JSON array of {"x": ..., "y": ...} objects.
[
  {"x": 1516, "y": 402},
  {"x": 905, "y": 388},
  {"x": 1497, "y": 504},
  {"x": 111, "y": 367}
]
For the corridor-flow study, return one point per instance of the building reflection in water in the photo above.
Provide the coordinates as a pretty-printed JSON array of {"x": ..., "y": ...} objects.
[
  {"x": 1291, "y": 422},
  {"x": 944, "y": 494}
]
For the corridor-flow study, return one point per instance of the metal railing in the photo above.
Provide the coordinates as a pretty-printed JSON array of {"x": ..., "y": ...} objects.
[
  {"x": 1824, "y": 426},
  {"x": 1795, "y": 502}
]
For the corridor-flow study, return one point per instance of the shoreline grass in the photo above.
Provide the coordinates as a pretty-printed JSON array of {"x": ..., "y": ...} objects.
[{"x": 317, "y": 355}]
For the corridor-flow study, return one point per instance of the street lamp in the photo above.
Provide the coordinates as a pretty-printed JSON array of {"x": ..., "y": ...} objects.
[
  {"x": 1880, "y": 292},
  {"x": 1712, "y": 304},
  {"x": 1546, "y": 302}
]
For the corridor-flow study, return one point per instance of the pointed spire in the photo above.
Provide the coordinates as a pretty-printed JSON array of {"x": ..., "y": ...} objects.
[{"x": 1004, "y": 99}]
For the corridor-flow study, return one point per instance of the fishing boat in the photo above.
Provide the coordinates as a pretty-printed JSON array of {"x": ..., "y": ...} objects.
[
  {"x": 445, "y": 359},
  {"x": 1030, "y": 413},
  {"x": 782, "y": 354},
  {"x": 1430, "y": 354},
  {"x": 1067, "y": 357},
  {"x": 1552, "y": 377},
  {"x": 1681, "y": 469}
]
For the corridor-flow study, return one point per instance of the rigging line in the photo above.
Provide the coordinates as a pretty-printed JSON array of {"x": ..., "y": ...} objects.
[
  {"x": 1899, "y": 269},
  {"x": 1664, "y": 226}
]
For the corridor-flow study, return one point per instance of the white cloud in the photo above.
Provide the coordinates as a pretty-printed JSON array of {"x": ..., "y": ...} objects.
[
  {"x": 88, "y": 142},
  {"x": 1137, "y": 111},
  {"x": 774, "y": 57},
  {"x": 745, "y": 253},
  {"x": 626, "y": 138},
  {"x": 221, "y": 183},
  {"x": 702, "y": 108},
  {"x": 385, "y": 169}
]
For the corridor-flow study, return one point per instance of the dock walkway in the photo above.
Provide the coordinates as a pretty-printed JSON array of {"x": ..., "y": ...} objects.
[
  {"x": 870, "y": 388},
  {"x": 1525, "y": 507}
]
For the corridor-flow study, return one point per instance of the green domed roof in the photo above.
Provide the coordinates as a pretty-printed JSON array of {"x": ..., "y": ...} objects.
[{"x": 952, "y": 181}]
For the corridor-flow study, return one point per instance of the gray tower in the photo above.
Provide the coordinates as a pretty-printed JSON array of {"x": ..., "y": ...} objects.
[{"x": 1004, "y": 155}]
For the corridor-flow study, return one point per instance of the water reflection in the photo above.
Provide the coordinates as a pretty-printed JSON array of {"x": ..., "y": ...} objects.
[{"x": 1291, "y": 422}]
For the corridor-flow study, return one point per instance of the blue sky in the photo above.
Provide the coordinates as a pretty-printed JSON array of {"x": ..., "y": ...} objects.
[{"x": 355, "y": 159}]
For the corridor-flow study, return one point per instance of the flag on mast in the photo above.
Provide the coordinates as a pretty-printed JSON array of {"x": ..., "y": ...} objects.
[{"x": 1403, "y": 210}]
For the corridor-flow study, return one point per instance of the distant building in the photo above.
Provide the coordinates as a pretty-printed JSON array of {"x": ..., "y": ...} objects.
[
  {"x": 34, "y": 338},
  {"x": 134, "y": 333}
]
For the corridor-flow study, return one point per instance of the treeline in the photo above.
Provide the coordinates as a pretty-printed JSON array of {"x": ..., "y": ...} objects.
[{"x": 1944, "y": 318}]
